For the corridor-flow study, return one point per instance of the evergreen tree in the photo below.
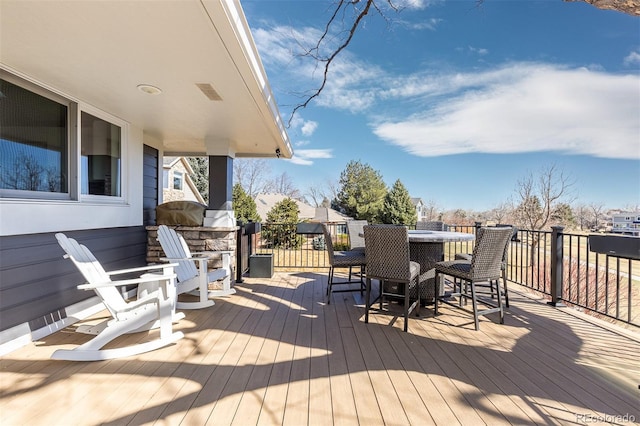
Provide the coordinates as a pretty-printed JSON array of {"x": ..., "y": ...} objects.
[
  {"x": 397, "y": 207},
  {"x": 563, "y": 215},
  {"x": 244, "y": 206},
  {"x": 361, "y": 193},
  {"x": 282, "y": 219},
  {"x": 200, "y": 177}
]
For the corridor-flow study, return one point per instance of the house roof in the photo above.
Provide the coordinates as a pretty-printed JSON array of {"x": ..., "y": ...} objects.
[
  {"x": 265, "y": 202},
  {"x": 169, "y": 162},
  {"x": 99, "y": 52}
]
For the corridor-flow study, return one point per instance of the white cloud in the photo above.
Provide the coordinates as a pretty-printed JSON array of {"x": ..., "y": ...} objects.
[
  {"x": 305, "y": 127},
  {"x": 309, "y": 127},
  {"x": 305, "y": 157},
  {"x": 525, "y": 108},
  {"x": 479, "y": 50},
  {"x": 351, "y": 84},
  {"x": 413, "y": 4},
  {"x": 632, "y": 58},
  {"x": 430, "y": 24},
  {"x": 513, "y": 108}
]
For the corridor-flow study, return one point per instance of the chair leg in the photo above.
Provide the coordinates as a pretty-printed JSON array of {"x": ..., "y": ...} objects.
[
  {"x": 419, "y": 292},
  {"x": 406, "y": 307},
  {"x": 474, "y": 303},
  {"x": 329, "y": 285},
  {"x": 436, "y": 297},
  {"x": 500, "y": 305},
  {"x": 368, "y": 301},
  {"x": 504, "y": 283}
]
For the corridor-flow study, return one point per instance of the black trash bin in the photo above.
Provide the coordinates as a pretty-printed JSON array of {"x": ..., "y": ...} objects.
[{"x": 261, "y": 265}]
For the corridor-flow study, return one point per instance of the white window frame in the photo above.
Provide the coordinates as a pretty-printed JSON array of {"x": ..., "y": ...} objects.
[
  {"x": 178, "y": 175},
  {"x": 124, "y": 148},
  {"x": 72, "y": 141},
  {"x": 74, "y": 111}
]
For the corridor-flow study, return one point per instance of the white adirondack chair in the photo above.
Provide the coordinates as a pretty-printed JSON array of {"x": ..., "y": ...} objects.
[
  {"x": 154, "y": 308},
  {"x": 192, "y": 279}
]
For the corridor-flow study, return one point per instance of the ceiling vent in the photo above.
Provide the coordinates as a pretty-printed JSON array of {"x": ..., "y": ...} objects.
[{"x": 209, "y": 91}]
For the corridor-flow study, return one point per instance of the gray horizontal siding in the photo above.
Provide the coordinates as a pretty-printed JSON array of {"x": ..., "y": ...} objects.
[{"x": 36, "y": 282}]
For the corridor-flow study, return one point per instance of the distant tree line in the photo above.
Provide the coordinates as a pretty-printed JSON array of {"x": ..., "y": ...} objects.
[{"x": 541, "y": 199}]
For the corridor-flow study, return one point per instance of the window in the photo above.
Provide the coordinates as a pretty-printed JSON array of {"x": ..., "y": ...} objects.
[
  {"x": 100, "y": 147},
  {"x": 40, "y": 133},
  {"x": 177, "y": 180},
  {"x": 34, "y": 142}
]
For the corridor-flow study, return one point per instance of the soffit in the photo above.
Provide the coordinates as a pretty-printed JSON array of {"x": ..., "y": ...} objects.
[{"x": 98, "y": 52}]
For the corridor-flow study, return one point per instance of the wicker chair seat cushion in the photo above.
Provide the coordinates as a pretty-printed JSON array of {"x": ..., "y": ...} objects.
[
  {"x": 455, "y": 268},
  {"x": 414, "y": 268},
  {"x": 468, "y": 256},
  {"x": 349, "y": 258},
  {"x": 463, "y": 256}
]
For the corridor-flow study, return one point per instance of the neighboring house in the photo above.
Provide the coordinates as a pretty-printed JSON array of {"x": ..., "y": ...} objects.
[
  {"x": 94, "y": 94},
  {"x": 421, "y": 209},
  {"x": 177, "y": 184},
  {"x": 627, "y": 223},
  {"x": 306, "y": 212}
]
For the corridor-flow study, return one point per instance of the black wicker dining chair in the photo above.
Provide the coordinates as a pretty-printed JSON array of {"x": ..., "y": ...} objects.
[
  {"x": 387, "y": 250},
  {"x": 343, "y": 259},
  {"x": 503, "y": 266},
  {"x": 422, "y": 225},
  {"x": 485, "y": 267}
]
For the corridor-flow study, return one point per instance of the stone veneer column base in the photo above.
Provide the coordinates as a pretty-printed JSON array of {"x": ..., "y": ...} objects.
[{"x": 198, "y": 239}]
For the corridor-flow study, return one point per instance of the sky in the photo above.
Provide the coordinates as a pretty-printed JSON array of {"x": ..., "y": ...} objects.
[{"x": 461, "y": 101}]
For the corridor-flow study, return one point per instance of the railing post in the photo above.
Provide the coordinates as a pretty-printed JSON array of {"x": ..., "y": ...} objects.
[
  {"x": 239, "y": 254},
  {"x": 557, "y": 264}
]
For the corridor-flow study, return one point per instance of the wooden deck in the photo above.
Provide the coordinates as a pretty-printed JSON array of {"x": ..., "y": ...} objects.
[{"x": 276, "y": 353}]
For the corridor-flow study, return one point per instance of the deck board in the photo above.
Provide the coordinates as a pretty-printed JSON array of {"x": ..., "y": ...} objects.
[{"x": 276, "y": 353}]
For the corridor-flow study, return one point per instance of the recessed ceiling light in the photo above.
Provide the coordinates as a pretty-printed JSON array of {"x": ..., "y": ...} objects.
[{"x": 149, "y": 89}]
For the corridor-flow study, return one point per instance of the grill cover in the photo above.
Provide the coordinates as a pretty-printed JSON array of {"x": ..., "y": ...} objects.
[{"x": 186, "y": 213}]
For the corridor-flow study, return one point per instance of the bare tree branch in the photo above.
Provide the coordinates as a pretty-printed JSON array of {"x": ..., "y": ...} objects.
[
  {"x": 630, "y": 7},
  {"x": 329, "y": 59}
]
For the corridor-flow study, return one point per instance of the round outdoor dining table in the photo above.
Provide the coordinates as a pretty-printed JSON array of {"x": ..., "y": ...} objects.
[{"x": 427, "y": 248}]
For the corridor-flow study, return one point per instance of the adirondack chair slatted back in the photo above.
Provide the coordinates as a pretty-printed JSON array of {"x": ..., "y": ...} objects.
[
  {"x": 93, "y": 272},
  {"x": 175, "y": 247}
]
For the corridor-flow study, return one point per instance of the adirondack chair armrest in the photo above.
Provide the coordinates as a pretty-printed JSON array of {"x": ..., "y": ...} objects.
[
  {"x": 202, "y": 257},
  {"x": 142, "y": 268},
  {"x": 176, "y": 259},
  {"x": 210, "y": 253},
  {"x": 146, "y": 279}
]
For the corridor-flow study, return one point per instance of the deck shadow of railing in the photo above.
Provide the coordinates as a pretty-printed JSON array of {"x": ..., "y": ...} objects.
[{"x": 269, "y": 312}]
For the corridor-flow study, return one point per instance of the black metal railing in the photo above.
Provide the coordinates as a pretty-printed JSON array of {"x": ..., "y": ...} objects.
[{"x": 556, "y": 264}]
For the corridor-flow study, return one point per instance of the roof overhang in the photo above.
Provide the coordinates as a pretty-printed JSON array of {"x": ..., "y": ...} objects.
[{"x": 99, "y": 52}]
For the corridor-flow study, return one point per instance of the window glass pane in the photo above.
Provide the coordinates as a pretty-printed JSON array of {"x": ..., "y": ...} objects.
[
  {"x": 177, "y": 180},
  {"x": 33, "y": 141},
  {"x": 101, "y": 156}
]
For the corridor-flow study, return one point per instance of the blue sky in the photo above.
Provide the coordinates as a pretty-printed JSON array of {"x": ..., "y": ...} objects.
[{"x": 461, "y": 102}]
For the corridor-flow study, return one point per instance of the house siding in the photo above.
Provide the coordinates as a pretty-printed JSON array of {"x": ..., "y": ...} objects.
[
  {"x": 150, "y": 185},
  {"x": 37, "y": 283}
]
